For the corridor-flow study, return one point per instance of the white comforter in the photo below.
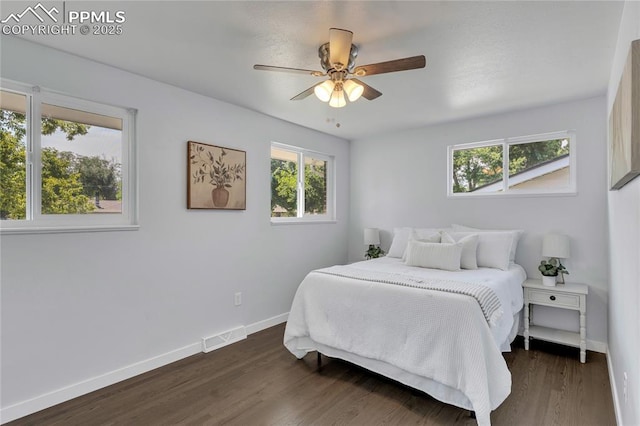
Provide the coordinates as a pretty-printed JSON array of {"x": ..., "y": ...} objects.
[{"x": 434, "y": 341}]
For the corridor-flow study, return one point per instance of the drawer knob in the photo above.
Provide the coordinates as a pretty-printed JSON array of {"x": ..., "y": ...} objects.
[{"x": 552, "y": 297}]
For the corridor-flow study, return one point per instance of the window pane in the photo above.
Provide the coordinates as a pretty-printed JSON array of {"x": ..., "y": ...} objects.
[
  {"x": 542, "y": 165},
  {"x": 13, "y": 166},
  {"x": 477, "y": 169},
  {"x": 81, "y": 160},
  {"x": 284, "y": 183},
  {"x": 315, "y": 186}
]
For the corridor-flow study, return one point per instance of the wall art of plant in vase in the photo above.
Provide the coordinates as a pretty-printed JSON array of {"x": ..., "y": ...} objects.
[{"x": 216, "y": 177}]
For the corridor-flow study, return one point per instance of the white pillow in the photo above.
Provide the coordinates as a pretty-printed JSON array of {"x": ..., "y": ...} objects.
[
  {"x": 420, "y": 236},
  {"x": 399, "y": 242},
  {"x": 434, "y": 255},
  {"x": 401, "y": 238},
  {"x": 425, "y": 236},
  {"x": 517, "y": 233},
  {"x": 469, "y": 247},
  {"x": 493, "y": 248}
]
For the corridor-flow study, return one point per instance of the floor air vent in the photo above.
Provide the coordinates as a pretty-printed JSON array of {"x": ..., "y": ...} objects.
[{"x": 212, "y": 343}]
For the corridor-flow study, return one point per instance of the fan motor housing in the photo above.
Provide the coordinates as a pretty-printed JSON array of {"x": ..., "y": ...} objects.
[{"x": 323, "y": 53}]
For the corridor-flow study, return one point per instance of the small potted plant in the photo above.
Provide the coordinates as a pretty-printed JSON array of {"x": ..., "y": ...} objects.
[
  {"x": 373, "y": 252},
  {"x": 550, "y": 270}
]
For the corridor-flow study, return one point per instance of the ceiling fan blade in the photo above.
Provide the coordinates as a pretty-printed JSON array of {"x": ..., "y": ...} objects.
[
  {"x": 369, "y": 92},
  {"x": 291, "y": 70},
  {"x": 404, "y": 64},
  {"x": 339, "y": 46},
  {"x": 306, "y": 93}
]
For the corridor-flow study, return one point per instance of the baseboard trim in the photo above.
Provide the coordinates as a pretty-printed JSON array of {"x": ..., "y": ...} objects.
[
  {"x": 67, "y": 393},
  {"x": 594, "y": 345},
  {"x": 50, "y": 399},
  {"x": 269, "y": 322},
  {"x": 614, "y": 390}
]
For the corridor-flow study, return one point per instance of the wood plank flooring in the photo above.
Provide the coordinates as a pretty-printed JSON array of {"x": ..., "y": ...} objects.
[{"x": 258, "y": 382}]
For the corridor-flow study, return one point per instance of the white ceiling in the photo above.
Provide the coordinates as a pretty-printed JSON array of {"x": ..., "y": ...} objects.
[{"x": 482, "y": 57}]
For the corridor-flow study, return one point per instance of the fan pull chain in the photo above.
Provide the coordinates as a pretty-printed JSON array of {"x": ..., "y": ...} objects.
[{"x": 331, "y": 120}]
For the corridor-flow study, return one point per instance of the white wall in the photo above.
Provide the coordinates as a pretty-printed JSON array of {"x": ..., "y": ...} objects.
[
  {"x": 624, "y": 228},
  {"x": 80, "y": 305},
  {"x": 399, "y": 179}
]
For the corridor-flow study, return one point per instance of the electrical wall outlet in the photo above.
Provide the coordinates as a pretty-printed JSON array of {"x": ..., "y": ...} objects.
[
  {"x": 625, "y": 392},
  {"x": 238, "y": 300}
]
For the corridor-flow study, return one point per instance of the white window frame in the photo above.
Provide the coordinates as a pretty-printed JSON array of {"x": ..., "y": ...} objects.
[
  {"x": 571, "y": 189},
  {"x": 35, "y": 221},
  {"x": 330, "y": 215}
]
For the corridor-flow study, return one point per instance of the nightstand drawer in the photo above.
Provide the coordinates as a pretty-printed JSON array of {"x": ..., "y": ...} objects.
[{"x": 553, "y": 298}]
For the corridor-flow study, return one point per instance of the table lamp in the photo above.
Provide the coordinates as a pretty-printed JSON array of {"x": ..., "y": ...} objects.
[
  {"x": 372, "y": 239},
  {"x": 556, "y": 246}
]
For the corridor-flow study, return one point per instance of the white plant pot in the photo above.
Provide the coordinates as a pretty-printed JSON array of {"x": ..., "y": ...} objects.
[{"x": 549, "y": 281}]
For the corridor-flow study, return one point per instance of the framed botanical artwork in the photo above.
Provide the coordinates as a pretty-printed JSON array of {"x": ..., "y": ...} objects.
[
  {"x": 217, "y": 177},
  {"x": 624, "y": 123}
]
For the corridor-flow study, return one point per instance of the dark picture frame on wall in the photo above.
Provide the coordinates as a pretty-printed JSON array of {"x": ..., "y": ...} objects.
[
  {"x": 624, "y": 123},
  {"x": 216, "y": 177}
]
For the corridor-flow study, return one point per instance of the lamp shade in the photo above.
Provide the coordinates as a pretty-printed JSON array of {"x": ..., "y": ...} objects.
[
  {"x": 353, "y": 90},
  {"x": 371, "y": 236},
  {"x": 324, "y": 90},
  {"x": 337, "y": 99},
  {"x": 556, "y": 245}
]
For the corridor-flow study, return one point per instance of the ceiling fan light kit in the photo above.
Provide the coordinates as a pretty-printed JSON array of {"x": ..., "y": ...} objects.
[
  {"x": 353, "y": 89},
  {"x": 337, "y": 97},
  {"x": 324, "y": 90},
  {"x": 337, "y": 58}
]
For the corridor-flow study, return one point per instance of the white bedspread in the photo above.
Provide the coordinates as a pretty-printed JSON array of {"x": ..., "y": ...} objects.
[{"x": 434, "y": 341}]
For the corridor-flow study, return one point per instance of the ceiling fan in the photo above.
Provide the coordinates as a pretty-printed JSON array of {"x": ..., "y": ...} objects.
[{"x": 337, "y": 58}]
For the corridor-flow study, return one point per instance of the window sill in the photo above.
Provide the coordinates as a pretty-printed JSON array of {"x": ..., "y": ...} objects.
[
  {"x": 298, "y": 221},
  {"x": 468, "y": 195},
  {"x": 66, "y": 229}
]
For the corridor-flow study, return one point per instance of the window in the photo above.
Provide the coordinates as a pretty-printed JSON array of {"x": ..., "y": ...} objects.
[
  {"x": 539, "y": 164},
  {"x": 65, "y": 163},
  {"x": 301, "y": 185}
]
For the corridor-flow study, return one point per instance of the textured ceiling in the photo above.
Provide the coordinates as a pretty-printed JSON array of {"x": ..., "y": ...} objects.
[{"x": 482, "y": 57}]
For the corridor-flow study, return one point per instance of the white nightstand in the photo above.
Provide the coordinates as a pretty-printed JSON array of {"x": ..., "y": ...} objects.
[{"x": 566, "y": 296}]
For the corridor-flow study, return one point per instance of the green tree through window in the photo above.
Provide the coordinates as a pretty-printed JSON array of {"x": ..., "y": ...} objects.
[
  {"x": 291, "y": 188},
  {"x": 475, "y": 167},
  {"x": 284, "y": 188},
  {"x": 69, "y": 181}
]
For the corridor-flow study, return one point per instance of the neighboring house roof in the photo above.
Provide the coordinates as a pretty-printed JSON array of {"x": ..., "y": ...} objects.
[{"x": 532, "y": 173}]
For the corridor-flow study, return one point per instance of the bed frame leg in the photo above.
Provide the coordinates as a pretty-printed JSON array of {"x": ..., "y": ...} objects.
[
  {"x": 319, "y": 360},
  {"x": 472, "y": 414}
]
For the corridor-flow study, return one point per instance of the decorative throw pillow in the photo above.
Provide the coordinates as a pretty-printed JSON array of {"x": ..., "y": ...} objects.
[
  {"x": 469, "y": 243},
  {"x": 516, "y": 233},
  {"x": 423, "y": 237},
  {"x": 493, "y": 248},
  {"x": 434, "y": 255},
  {"x": 401, "y": 238}
]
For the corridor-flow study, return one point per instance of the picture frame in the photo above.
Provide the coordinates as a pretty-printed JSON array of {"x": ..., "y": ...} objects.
[
  {"x": 216, "y": 177},
  {"x": 624, "y": 124}
]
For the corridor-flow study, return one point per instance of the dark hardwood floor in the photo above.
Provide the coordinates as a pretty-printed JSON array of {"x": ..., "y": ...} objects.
[{"x": 258, "y": 382}]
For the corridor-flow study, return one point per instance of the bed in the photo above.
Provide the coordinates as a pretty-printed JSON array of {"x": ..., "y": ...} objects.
[{"x": 402, "y": 322}]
